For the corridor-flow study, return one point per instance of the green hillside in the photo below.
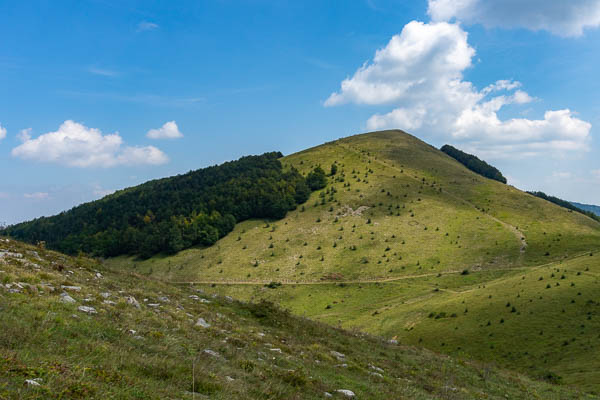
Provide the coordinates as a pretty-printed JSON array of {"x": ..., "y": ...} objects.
[
  {"x": 403, "y": 233},
  {"x": 171, "y": 214},
  {"x": 72, "y": 328}
]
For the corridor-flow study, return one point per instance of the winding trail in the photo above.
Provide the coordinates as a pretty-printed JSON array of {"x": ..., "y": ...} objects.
[{"x": 373, "y": 280}]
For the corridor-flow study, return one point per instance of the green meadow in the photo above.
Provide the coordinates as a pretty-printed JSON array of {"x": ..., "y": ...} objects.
[{"x": 406, "y": 243}]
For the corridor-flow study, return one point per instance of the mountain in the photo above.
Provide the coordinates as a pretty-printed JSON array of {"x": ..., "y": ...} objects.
[
  {"x": 405, "y": 242},
  {"x": 588, "y": 207},
  {"x": 73, "y": 328}
]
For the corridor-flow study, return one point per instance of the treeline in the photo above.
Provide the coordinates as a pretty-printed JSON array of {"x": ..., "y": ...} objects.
[
  {"x": 474, "y": 164},
  {"x": 171, "y": 214},
  {"x": 565, "y": 204}
]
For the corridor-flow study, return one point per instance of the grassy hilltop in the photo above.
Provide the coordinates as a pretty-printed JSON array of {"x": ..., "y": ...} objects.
[
  {"x": 74, "y": 328},
  {"x": 406, "y": 242}
]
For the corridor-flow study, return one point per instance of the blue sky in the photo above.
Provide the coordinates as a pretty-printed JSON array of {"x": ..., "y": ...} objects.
[{"x": 101, "y": 95}]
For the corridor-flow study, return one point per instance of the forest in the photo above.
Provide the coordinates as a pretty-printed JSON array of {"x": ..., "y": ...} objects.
[
  {"x": 564, "y": 203},
  {"x": 170, "y": 214},
  {"x": 474, "y": 164}
]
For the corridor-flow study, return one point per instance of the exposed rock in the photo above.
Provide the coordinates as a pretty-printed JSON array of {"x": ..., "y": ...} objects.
[
  {"x": 132, "y": 301},
  {"x": 327, "y": 394},
  {"x": 392, "y": 341},
  {"x": 202, "y": 322},
  {"x": 164, "y": 299},
  {"x": 33, "y": 382},
  {"x": 276, "y": 350},
  {"x": 73, "y": 288},
  {"x": 109, "y": 302},
  {"x": 153, "y": 305},
  {"x": 376, "y": 368},
  {"x": 88, "y": 310},
  {"x": 194, "y": 297},
  {"x": 65, "y": 298},
  {"x": 98, "y": 275},
  {"x": 106, "y": 295},
  {"x": 338, "y": 355},
  {"x": 211, "y": 353},
  {"x": 204, "y": 301},
  {"x": 348, "y": 393},
  {"x": 377, "y": 374},
  {"x": 229, "y": 379},
  {"x": 4, "y": 253}
]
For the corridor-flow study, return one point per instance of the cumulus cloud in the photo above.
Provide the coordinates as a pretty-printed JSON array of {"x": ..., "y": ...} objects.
[
  {"x": 168, "y": 131},
  {"x": 563, "y": 18},
  {"x": 76, "y": 145},
  {"x": 419, "y": 74},
  {"x": 2, "y": 132}
]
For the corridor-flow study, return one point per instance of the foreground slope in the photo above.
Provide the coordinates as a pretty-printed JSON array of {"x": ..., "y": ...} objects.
[
  {"x": 71, "y": 328},
  {"x": 402, "y": 232}
]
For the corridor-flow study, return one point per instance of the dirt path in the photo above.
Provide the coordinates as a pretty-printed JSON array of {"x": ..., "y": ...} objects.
[{"x": 374, "y": 280}]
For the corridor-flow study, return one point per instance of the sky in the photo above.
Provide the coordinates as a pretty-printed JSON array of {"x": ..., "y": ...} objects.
[{"x": 99, "y": 95}]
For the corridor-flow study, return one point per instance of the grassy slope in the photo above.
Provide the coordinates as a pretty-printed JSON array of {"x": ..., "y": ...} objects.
[
  {"x": 423, "y": 215},
  {"x": 154, "y": 350}
]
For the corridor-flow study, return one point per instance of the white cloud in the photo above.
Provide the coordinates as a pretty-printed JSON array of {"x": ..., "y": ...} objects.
[
  {"x": 24, "y": 135},
  {"x": 596, "y": 173},
  {"x": 36, "y": 195},
  {"x": 561, "y": 17},
  {"x": 4, "y": 195},
  {"x": 168, "y": 131},
  {"x": 419, "y": 73},
  {"x": 98, "y": 191},
  {"x": 2, "y": 132},
  {"x": 146, "y": 26},
  {"x": 103, "y": 72},
  {"x": 562, "y": 175},
  {"x": 76, "y": 145}
]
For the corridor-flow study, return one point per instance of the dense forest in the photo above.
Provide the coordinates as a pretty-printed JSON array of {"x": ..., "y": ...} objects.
[
  {"x": 565, "y": 204},
  {"x": 473, "y": 163},
  {"x": 171, "y": 214}
]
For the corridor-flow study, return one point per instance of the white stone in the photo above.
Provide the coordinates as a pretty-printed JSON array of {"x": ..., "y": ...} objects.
[
  {"x": 132, "y": 301},
  {"x": 32, "y": 382},
  {"x": 346, "y": 392},
  {"x": 338, "y": 355},
  {"x": 73, "y": 288},
  {"x": 65, "y": 298},
  {"x": 86, "y": 309},
  {"x": 211, "y": 353},
  {"x": 202, "y": 322},
  {"x": 376, "y": 368}
]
